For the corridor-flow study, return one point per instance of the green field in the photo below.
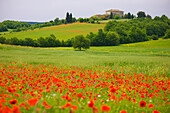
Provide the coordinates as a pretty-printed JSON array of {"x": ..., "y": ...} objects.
[
  {"x": 123, "y": 55},
  {"x": 62, "y": 32}
]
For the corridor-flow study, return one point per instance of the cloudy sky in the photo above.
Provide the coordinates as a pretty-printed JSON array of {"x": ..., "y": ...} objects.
[{"x": 46, "y": 10}]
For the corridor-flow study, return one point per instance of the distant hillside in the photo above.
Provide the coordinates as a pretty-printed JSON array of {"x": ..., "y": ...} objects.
[{"x": 62, "y": 32}]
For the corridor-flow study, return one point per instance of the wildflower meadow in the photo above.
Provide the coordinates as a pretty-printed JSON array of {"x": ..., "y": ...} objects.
[{"x": 100, "y": 89}]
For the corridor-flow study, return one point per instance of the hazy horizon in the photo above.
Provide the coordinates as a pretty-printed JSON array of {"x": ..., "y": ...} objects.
[{"x": 46, "y": 10}]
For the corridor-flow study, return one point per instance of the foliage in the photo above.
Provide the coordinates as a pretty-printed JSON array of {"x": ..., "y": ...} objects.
[
  {"x": 15, "y": 24},
  {"x": 167, "y": 34},
  {"x": 153, "y": 37},
  {"x": 69, "y": 18},
  {"x": 49, "y": 41},
  {"x": 112, "y": 39},
  {"x": 117, "y": 17},
  {"x": 136, "y": 30},
  {"x": 81, "y": 42},
  {"x": 3, "y": 27},
  {"x": 141, "y": 14}
]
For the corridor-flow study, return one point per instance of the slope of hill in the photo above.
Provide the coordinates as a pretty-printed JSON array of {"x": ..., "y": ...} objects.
[{"x": 62, "y": 32}]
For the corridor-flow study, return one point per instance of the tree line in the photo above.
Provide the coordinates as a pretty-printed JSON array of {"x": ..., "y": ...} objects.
[
  {"x": 49, "y": 41},
  {"x": 136, "y": 30}
]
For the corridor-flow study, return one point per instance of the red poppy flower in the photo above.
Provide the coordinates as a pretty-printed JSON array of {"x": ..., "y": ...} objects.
[
  {"x": 66, "y": 106},
  {"x": 74, "y": 107},
  {"x": 123, "y": 111},
  {"x": 155, "y": 111},
  {"x": 16, "y": 109},
  {"x": 105, "y": 108},
  {"x": 150, "y": 105},
  {"x": 13, "y": 101},
  {"x": 32, "y": 101},
  {"x": 113, "y": 90},
  {"x": 48, "y": 107},
  {"x": 44, "y": 103},
  {"x": 91, "y": 104},
  {"x": 142, "y": 103}
]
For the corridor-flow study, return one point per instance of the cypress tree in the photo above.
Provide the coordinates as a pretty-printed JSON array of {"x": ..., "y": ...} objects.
[
  {"x": 67, "y": 17},
  {"x": 70, "y": 18},
  {"x": 111, "y": 15}
]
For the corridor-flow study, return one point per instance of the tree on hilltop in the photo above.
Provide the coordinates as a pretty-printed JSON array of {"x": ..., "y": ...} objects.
[
  {"x": 111, "y": 15},
  {"x": 141, "y": 14},
  {"x": 67, "y": 17},
  {"x": 70, "y": 18}
]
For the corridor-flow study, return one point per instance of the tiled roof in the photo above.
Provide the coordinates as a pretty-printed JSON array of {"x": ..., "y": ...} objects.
[{"x": 114, "y": 10}]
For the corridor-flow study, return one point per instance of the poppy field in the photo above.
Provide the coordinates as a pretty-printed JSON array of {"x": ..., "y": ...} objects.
[{"x": 99, "y": 89}]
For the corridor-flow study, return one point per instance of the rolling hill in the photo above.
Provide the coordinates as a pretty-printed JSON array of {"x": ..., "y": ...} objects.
[{"x": 62, "y": 32}]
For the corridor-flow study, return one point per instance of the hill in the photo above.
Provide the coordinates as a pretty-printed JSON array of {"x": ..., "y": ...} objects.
[{"x": 62, "y": 32}]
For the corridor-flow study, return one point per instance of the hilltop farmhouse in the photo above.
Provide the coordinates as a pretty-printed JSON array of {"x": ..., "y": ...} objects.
[{"x": 114, "y": 12}]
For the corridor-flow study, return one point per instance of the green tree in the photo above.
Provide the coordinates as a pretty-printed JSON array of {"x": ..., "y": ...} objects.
[
  {"x": 111, "y": 15},
  {"x": 70, "y": 18},
  {"x": 56, "y": 21},
  {"x": 112, "y": 39},
  {"x": 67, "y": 17},
  {"x": 81, "y": 42},
  {"x": 148, "y": 16},
  {"x": 167, "y": 34},
  {"x": 141, "y": 14},
  {"x": 132, "y": 16},
  {"x": 81, "y": 20},
  {"x": 117, "y": 17},
  {"x": 129, "y": 16},
  {"x": 3, "y": 27},
  {"x": 2, "y": 40}
]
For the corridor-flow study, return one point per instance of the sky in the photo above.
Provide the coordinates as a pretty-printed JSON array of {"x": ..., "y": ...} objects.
[{"x": 46, "y": 10}]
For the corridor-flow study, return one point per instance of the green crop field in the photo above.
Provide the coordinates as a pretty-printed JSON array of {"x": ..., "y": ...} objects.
[
  {"x": 62, "y": 32},
  {"x": 125, "y": 53}
]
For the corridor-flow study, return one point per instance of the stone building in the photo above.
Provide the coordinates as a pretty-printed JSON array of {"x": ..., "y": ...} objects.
[{"x": 115, "y": 12}]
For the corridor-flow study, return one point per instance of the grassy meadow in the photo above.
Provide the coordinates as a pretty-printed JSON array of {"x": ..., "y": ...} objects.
[
  {"x": 62, "y": 32},
  {"x": 155, "y": 52}
]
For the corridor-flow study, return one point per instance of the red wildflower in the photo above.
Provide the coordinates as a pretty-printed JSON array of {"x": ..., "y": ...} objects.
[
  {"x": 150, "y": 105},
  {"x": 66, "y": 106},
  {"x": 142, "y": 103},
  {"x": 91, "y": 104},
  {"x": 16, "y": 109},
  {"x": 7, "y": 109},
  {"x": 44, "y": 103},
  {"x": 123, "y": 111},
  {"x": 155, "y": 111},
  {"x": 113, "y": 90},
  {"x": 48, "y": 107},
  {"x": 32, "y": 101},
  {"x": 27, "y": 108},
  {"x": 74, "y": 107},
  {"x": 13, "y": 101},
  {"x": 105, "y": 108},
  {"x": 22, "y": 104}
]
